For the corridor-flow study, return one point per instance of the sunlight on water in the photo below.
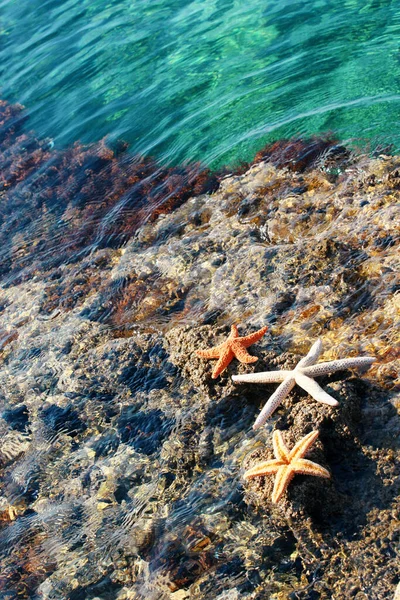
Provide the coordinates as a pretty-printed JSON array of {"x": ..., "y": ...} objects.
[
  {"x": 121, "y": 458},
  {"x": 203, "y": 80}
]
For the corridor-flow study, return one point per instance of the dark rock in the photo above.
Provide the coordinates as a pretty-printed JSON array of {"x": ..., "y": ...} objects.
[
  {"x": 63, "y": 420},
  {"x": 144, "y": 430},
  {"x": 107, "y": 444},
  {"x": 17, "y": 418}
]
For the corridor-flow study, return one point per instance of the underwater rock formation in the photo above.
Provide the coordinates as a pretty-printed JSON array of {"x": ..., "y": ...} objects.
[{"x": 121, "y": 459}]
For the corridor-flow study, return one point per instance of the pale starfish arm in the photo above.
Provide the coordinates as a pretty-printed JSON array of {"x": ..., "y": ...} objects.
[
  {"x": 241, "y": 353},
  {"x": 283, "y": 477},
  {"x": 209, "y": 353},
  {"x": 281, "y": 451},
  {"x": 264, "y": 468},
  {"x": 263, "y": 377},
  {"x": 339, "y": 365},
  {"x": 307, "y": 467},
  {"x": 303, "y": 445},
  {"x": 312, "y": 355},
  {"x": 315, "y": 390},
  {"x": 280, "y": 394},
  {"x": 248, "y": 340}
]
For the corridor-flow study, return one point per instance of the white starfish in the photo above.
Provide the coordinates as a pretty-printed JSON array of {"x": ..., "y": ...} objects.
[{"x": 303, "y": 375}]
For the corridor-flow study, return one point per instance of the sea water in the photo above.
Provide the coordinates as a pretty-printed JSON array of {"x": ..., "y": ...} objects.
[{"x": 208, "y": 80}]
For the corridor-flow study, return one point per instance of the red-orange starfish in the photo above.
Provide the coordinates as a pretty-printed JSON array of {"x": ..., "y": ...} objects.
[{"x": 233, "y": 346}]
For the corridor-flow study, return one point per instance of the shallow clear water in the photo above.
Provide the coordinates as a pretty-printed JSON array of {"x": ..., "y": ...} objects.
[{"x": 209, "y": 79}]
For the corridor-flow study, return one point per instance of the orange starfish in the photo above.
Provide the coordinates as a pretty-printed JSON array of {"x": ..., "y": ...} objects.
[
  {"x": 233, "y": 346},
  {"x": 287, "y": 463}
]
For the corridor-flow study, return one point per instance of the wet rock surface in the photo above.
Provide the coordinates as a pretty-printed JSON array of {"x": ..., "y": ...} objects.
[{"x": 122, "y": 461}]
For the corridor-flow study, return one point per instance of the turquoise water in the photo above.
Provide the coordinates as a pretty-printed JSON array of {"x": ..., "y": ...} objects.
[{"x": 211, "y": 80}]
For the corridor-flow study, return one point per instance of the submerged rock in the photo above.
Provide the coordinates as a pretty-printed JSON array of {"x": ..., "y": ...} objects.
[{"x": 121, "y": 460}]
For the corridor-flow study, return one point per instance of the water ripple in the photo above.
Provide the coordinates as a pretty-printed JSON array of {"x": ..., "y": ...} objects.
[{"x": 209, "y": 81}]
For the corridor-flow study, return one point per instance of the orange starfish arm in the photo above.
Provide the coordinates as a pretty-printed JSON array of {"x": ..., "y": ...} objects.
[
  {"x": 264, "y": 468},
  {"x": 281, "y": 451},
  {"x": 224, "y": 360},
  {"x": 241, "y": 353},
  {"x": 209, "y": 353},
  {"x": 283, "y": 477},
  {"x": 307, "y": 467},
  {"x": 234, "y": 332},
  {"x": 303, "y": 445},
  {"x": 248, "y": 340}
]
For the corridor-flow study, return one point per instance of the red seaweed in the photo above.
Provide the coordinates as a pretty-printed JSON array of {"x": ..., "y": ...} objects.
[
  {"x": 300, "y": 154},
  {"x": 57, "y": 205}
]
